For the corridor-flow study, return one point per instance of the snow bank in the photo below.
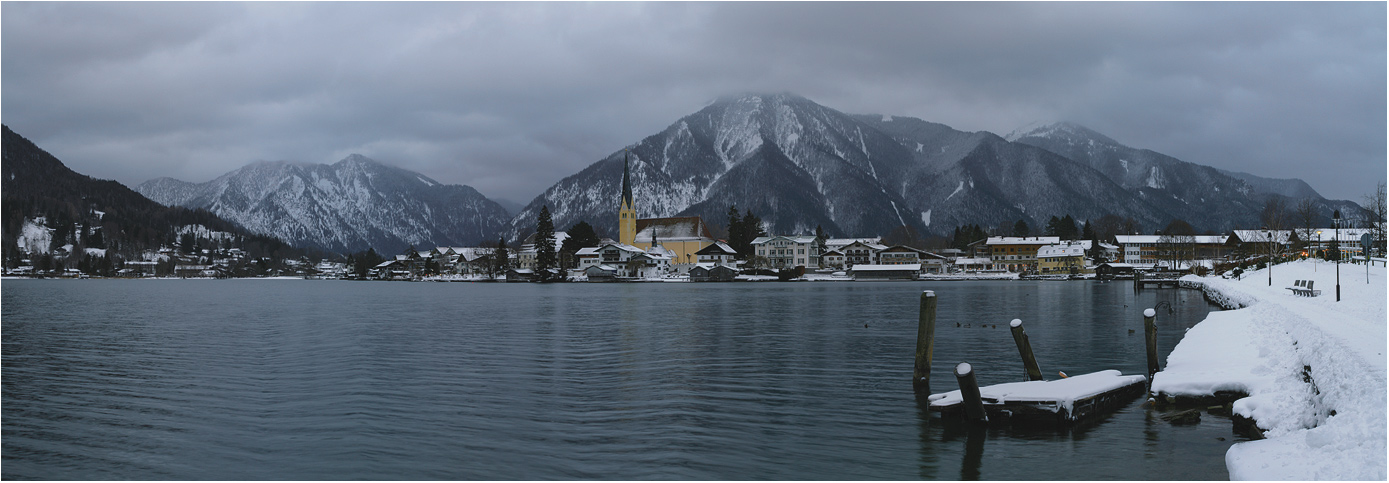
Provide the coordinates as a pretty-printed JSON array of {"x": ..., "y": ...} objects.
[{"x": 1314, "y": 369}]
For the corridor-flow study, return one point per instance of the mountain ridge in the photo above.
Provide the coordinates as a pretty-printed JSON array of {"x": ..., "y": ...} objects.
[{"x": 351, "y": 205}]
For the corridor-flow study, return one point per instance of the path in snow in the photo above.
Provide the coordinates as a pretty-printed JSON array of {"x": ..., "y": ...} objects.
[{"x": 1333, "y": 428}]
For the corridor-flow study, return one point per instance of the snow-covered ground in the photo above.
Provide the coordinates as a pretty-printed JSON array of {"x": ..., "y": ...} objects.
[{"x": 1332, "y": 427}]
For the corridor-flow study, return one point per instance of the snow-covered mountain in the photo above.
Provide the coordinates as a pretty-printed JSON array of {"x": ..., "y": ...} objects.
[
  {"x": 799, "y": 165},
  {"x": 347, "y": 206},
  {"x": 1206, "y": 197}
]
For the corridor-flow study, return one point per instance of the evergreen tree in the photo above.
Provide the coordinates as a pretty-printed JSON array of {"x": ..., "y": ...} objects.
[
  {"x": 501, "y": 258},
  {"x": 545, "y": 258},
  {"x": 581, "y": 235},
  {"x": 735, "y": 230},
  {"x": 1020, "y": 229},
  {"x": 1068, "y": 228}
]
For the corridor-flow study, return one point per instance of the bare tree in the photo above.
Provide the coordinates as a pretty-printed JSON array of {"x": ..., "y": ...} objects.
[
  {"x": 1375, "y": 205},
  {"x": 1305, "y": 214},
  {"x": 1275, "y": 214},
  {"x": 1177, "y": 244}
]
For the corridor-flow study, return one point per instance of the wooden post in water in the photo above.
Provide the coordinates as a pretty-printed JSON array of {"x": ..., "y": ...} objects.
[
  {"x": 969, "y": 391},
  {"x": 1029, "y": 361},
  {"x": 1150, "y": 338},
  {"x": 925, "y": 343}
]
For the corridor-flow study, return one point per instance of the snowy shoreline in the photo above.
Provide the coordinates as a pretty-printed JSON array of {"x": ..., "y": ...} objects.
[{"x": 1313, "y": 369}]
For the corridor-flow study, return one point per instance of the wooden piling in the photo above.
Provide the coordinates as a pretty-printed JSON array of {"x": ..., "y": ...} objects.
[
  {"x": 1029, "y": 361},
  {"x": 969, "y": 391},
  {"x": 925, "y": 343},
  {"x": 1150, "y": 339}
]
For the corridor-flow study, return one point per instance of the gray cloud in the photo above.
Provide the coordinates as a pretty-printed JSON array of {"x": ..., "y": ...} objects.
[{"x": 511, "y": 97}]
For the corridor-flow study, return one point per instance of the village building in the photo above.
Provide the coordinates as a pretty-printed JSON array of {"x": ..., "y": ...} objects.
[
  {"x": 832, "y": 259},
  {"x": 1112, "y": 270},
  {"x": 899, "y": 255},
  {"x": 1062, "y": 258},
  {"x": 1017, "y": 254},
  {"x": 1253, "y": 243},
  {"x": 712, "y": 272},
  {"x": 861, "y": 252},
  {"x": 627, "y": 260},
  {"x": 600, "y": 273},
  {"x": 873, "y": 272},
  {"x": 974, "y": 264},
  {"x": 934, "y": 263},
  {"x": 683, "y": 236},
  {"x": 840, "y": 243},
  {"x": 717, "y": 252},
  {"x": 789, "y": 251},
  {"x": 1318, "y": 240},
  {"x": 526, "y": 256}
]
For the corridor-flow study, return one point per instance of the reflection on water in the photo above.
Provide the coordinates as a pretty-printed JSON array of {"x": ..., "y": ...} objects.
[{"x": 247, "y": 379}]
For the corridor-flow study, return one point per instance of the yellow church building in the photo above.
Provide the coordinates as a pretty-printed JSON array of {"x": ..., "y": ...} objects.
[{"x": 682, "y": 236}]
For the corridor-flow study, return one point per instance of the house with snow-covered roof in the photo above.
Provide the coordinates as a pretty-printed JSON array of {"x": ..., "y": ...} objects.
[
  {"x": 1062, "y": 258},
  {"x": 789, "y": 251},
  {"x": 525, "y": 257},
  {"x": 861, "y": 252},
  {"x": 1017, "y": 254},
  {"x": 712, "y": 272},
  {"x": 832, "y": 259},
  {"x": 840, "y": 243},
  {"x": 868, "y": 271},
  {"x": 717, "y": 252}
]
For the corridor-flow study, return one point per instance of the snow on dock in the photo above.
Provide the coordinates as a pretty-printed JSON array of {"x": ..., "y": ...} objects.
[
  {"x": 1064, "y": 400},
  {"x": 1311, "y": 370}
]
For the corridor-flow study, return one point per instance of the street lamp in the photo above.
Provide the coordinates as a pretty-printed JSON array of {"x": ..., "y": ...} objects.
[
  {"x": 1268, "y": 237},
  {"x": 1336, "y": 220},
  {"x": 1319, "y": 247}
]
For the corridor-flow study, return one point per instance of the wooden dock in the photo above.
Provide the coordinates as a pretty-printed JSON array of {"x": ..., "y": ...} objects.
[
  {"x": 1141, "y": 280},
  {"x": 1062, "y": 402}
]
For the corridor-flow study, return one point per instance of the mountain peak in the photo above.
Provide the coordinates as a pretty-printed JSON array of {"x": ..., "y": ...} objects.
[
  {"x": 355, "y": 158},
  {"x": 776, "y": 97},
  {"x": 1058, "y": 130}
]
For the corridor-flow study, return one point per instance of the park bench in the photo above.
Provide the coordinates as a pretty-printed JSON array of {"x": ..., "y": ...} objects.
[{"x": 1304, "y": 288}]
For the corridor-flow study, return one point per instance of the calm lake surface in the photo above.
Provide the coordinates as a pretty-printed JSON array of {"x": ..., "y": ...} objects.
[{"x": 306, "y": 380}]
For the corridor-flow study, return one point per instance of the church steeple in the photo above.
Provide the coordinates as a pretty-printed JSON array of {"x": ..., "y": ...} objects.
[{"x": 627, "y": 212}]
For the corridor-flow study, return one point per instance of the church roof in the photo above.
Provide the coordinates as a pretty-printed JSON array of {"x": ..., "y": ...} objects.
[{"x": 672, "y": 228}]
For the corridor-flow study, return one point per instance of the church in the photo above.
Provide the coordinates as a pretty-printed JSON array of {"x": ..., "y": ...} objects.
[{"x": 681, "y": 236}]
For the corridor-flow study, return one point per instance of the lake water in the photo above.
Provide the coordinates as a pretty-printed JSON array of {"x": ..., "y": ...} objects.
[{"x": 306, "y": 380}]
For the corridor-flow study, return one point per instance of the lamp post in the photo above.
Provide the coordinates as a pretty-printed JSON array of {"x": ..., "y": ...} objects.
[
  {"x": 1268, "y": 236},
  {"x": 1314, "y": 262},
  {"x": 1336, "y": 220}
]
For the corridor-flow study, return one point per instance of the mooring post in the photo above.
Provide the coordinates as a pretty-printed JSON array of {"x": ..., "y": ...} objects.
[
  {"x": 1029, "y": 361},
  {"x": 1150, "y": 338},
  {"x": 925, "y": 343},
  {"x": 969, "y": 391}
]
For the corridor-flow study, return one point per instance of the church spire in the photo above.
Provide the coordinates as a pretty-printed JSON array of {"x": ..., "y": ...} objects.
[
  {"x": 627, "y": 210},
  {"x": 626, "y": 180}
]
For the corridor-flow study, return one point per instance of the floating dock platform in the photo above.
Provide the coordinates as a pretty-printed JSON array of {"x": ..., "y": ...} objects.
[{"x": 1063, "y": 401}]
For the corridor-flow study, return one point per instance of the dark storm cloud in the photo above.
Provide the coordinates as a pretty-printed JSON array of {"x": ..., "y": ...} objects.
[{"x": 509, "y": 98}]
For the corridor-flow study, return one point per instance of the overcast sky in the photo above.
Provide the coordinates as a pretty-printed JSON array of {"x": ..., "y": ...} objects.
[{"x": 511, "y": 97}]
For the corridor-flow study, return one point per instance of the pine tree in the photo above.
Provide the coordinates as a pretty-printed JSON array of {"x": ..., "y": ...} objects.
[
  {"x": 735, "y": 231},
  {"x": 581, "y": 235},
  {"x": 1020, "y": 229},
  {"x": 502, "y": 255},
  {"x": 545, "y": 258}
]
